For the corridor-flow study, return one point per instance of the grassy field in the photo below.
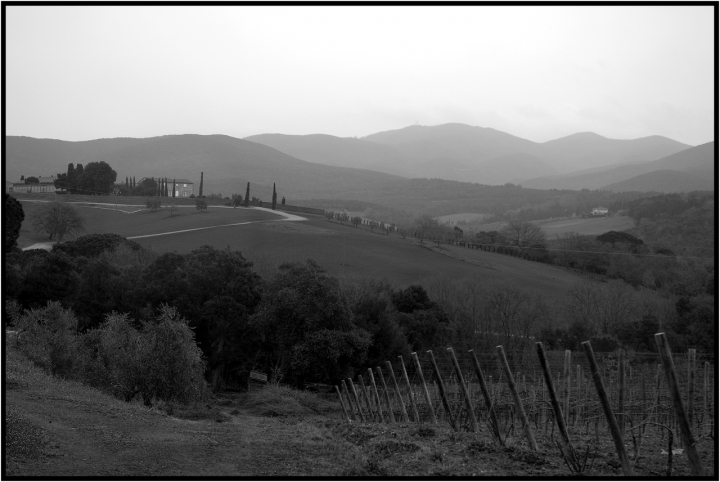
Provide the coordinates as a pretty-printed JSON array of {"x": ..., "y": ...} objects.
[
  {"x": 584, "y": 226},
  {"x": 454, "y": 218},
  {"x": 343, "y": 250}
]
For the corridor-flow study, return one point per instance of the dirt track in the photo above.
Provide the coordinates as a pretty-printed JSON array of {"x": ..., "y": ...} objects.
[{"x": 93, "y": 439}]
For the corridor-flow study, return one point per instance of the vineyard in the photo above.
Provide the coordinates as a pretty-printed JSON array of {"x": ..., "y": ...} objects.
[{"x": 645, "y": 402}]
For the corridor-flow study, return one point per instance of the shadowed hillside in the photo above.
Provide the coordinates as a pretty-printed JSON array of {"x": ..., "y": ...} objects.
[
  {"x": 228, "y": 163},
  {"x": 692, "y": 159}
]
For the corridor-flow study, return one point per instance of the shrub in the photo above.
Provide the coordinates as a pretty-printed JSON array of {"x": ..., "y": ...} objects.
[
  {"x": 47, "y": 337},
  {"x": 171, "y": 364},
  {"x": 14, "y": 217},
  {"x": 93, "y": 245},
  {"x": 161, "y": 361},
  {"x": 200, "y": 205},
  {"x": 153, "y": 204}
]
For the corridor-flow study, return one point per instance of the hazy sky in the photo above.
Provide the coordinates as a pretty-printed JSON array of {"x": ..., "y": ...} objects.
[{"x": 79, "y": 73}]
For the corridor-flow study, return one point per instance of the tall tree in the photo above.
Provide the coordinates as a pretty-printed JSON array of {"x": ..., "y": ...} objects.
[
  {"x": 247, "y": 195},
  {"x": 14, "y": 216},
  {"x": 133, "y": 181},
  {"x": 274, "y": 198},
  {"x": 173, "y": 192},
  {"x": 127, "y": 184},
  {"x": 97, "y": 177},
  {"x": 166, "y": 188},
  {"x": 201, "y": 184},
  {"x": 523, "y": 234}
]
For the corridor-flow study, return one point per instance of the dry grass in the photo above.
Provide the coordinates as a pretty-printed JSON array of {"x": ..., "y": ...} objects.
[{"x": 280, "y": 401}]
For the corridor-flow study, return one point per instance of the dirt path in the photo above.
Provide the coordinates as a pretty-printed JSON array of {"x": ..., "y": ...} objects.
[{"x": 99, "y": 439}]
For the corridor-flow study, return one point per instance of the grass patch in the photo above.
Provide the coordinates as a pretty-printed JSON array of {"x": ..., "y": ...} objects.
[{"x": 276, "y": 400}]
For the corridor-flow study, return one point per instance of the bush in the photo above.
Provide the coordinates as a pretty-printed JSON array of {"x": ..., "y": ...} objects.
[
  {"x": 153, "y": 204},
  {"x": 93, "y": 245},
  {"x": 171, "y": 364},
  {"x": 200, "y": 205},
  {"x": 161, "y": 361},
  {"x": 47, "y": 337}
]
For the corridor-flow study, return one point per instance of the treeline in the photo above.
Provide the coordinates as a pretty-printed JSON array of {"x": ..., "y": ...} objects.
[
  {"x": 438, "y": 197},
  {"x": 298, "y": 324},
  {"x": 95, "y": 178}
]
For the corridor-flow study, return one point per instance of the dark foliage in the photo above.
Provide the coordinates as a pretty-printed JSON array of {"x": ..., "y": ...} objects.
[
  {"x": 92, "y": 245},
  {"x": 14, "y": 216}
]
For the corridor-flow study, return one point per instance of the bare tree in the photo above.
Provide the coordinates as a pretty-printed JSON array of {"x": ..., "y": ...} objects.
[
  {"x": 426, "y": 225},
  {"x": 57, "y": 219},
  {"x": 523, "y": 234}
]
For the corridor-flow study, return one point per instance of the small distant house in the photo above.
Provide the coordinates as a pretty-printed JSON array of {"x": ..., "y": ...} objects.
[
  {"x": 44, "y": 185},
  {"x": 600, "y": 211},
  {"x": 183, "y": 187}
]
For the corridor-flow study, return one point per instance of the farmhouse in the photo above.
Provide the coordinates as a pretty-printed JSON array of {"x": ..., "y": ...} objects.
[
  {"x": 600, "y": 211},
  {"x": 183, "y": 187},
  {"x": 45, "y": 184}
]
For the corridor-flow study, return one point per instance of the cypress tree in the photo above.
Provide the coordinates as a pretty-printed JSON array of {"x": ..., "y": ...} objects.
[
  {"x": 127, "y": 184},
  {"x": 274, "y": 198},
  {"x": 173, "y": 188},
  {"x": 201, "y": 183},
  {"x": 133, "y": 181},
  {"x": 247, "y": 195},
  {"x": 283, "y": 200},
  {"x": 165, "y": 189}
]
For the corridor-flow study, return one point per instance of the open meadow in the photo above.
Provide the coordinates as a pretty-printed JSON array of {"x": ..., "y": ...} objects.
[
  {"x": 579, "y": 225},
  {"x": 343, "y": 250}
]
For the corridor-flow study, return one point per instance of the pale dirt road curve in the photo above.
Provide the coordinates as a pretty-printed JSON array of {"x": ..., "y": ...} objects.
[{"x": 285, "y": 217}]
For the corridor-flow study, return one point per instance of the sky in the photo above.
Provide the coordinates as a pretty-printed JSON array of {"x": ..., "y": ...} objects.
[{"x": 79, "y": 73}]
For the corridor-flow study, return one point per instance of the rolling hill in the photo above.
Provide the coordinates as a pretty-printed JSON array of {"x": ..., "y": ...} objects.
[
  {"x": 228, "y": 163},
  {"x": 699, "y": 159},
  {"x": 664, "y": 180},
  {"x": 466, "y": 153}
]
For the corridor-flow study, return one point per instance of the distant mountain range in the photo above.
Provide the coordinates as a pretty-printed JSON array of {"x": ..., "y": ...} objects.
[
  {"x": 324, "y": 166},
  {"x": 228, "y": 163},
  {"x": 472, "y": 154},
  {"x": 695, "y": 170}
]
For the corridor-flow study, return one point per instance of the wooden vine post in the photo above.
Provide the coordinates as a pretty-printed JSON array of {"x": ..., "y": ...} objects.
[
  {"x": 411, "y": 393},
  {"x": 527, "y": 428},
  {"x": 357, "y": 400},
  {"x": 621, "y": 391},
  {"x": 342, "y": 404},
  {"x": 349, "y": 400},
  {"x": 397, "y": 391},
  {"x": 706, "y": 388},
  {"x": 387, "y": 394},
  {"x": 366, "y": 394},
  {"x": 566, "y": 386},
  {"x": 486, "y": 395},
  {"x": 441, "y": 389},
  {"x": 428, "y": 400},
  {"x": 377, "y": 396},
  {"x": 694, "y": 460},
  {"x": 691, "y": 385},
  {"x": 567, "y": 447},
  {"x": 607, "y": 408},
  {"x": 465, "y": 392}
]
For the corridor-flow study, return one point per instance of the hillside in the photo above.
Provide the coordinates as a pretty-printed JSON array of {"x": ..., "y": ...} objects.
[
  {"x": 664, "y": 180},
  {"x": 476, "y": 146},
  {"x": 228, "y": 164},
  {"x": 695, "y": 158},
  {"x": 337, "y": 151}
]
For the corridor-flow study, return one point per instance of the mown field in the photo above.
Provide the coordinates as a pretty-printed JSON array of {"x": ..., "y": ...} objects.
[
  {"x": 584, "y": 226},
  {"x": 343, "y": 250}
]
